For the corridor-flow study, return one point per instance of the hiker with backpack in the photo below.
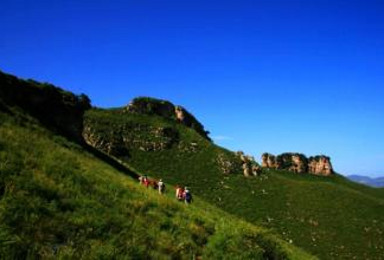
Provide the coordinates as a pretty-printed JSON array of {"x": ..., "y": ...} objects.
[
  {"x": 161, "y": 187},
  {"x": 187, "y": 196},
  {"x": 179, "y": 193}
]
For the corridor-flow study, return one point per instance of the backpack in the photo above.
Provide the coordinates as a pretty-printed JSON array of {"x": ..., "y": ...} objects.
[{"x": 188, "y": 196}]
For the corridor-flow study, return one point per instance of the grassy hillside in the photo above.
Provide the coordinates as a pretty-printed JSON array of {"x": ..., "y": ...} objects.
[
  {"x": 330, "y": 217},
  {"x": 58, "y": 201}
]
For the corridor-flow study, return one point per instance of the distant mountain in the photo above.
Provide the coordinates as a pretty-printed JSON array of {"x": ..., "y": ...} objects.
[{"x": 373, "y": 182}]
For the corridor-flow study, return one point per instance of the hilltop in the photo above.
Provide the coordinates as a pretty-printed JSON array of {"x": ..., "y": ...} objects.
[{"x": 328, "y": 216}]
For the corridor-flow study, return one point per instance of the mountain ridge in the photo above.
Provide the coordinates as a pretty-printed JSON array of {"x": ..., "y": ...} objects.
[{"x": 377, "y": 182}]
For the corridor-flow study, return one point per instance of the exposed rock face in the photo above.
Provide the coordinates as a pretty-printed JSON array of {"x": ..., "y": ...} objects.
[
  {"x": 151, "y": 106},
  {"x": 299, "y": 163},
  {"x": 320, "y": 165},
  {"x": 228, "y": 164},
  {"x": 294, "y": 162},
  {"x": 249, "y": 165},
  {"x": 268, "y": 160},
  {"x": 57, "y": 109},
  {"x": 180, "y": 114},
  {"x": 118, "y": 141},
  {"x": 238, "y": 162},
  {"x": 113, "y": 146},
  {"x": 256, "y": 170}
]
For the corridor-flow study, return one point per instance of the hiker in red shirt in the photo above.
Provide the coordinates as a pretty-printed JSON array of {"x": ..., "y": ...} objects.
[
  {"x": 146, "y": 182},
  {"x": 179, "y": 193}
]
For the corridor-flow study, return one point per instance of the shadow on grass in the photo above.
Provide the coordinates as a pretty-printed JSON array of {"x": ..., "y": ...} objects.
[{"x": 109, "y": 160}]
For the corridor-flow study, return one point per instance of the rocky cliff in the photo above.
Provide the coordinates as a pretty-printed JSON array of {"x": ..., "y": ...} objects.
[
  {"x": 55, "y": 108},
  {"x": 119, "y": 140},
  {"x": 249, "y": 165},
  {"x": 238, "y": 162},
  {"x": 165, "y": 109},
  {"x": 268, "y": 161},
  {"x": 299, "y": 163},
  {"x": 320, "y": 165}
]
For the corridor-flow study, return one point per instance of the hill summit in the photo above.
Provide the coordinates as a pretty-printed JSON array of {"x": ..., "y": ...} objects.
[{"x": 167, "y": 110}]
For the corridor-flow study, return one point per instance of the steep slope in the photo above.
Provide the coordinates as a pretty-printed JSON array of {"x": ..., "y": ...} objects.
[
  {"x": 328, "y": 216},
  {"x": 57, "y": 200}
]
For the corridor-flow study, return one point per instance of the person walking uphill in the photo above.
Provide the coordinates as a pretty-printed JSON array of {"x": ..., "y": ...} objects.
[
  {"x": 187, "y": 196},
  {"x": 161, "y": 186},
  {"x": 146, "y": 182},
  {"x": 141, "y": 179},
  {"x": 179, "y": 193}
]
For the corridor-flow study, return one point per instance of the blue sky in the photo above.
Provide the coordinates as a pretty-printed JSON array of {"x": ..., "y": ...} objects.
[{"x": 275, "y": 76}]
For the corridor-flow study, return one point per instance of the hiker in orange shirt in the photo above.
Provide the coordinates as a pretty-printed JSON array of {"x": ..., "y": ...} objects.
[{"x": 179, "y": 193}]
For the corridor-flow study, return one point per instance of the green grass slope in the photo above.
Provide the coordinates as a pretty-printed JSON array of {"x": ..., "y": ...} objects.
[
  {"x": 330, "y": 217},
  {"x": 58, "y": 201}
]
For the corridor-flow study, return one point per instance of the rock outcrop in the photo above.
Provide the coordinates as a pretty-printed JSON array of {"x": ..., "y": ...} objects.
[
  {"x": 249, "y": 165},
  {"x": 228, "y": 163},
  {"x": 294, "y": 162},
  {"x": 57, "y": 109},
  {"x": 165, "y": 109},
  {"x": 299, "y": 163},
  {"x": 120, "y": 140},
  {"x": 320, "y": 165},
  {"x": 268, "y": 160},
  {"x": 238, "y": 163}
]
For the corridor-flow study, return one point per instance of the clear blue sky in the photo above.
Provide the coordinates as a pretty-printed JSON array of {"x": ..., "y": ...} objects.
[{"x": 277, "y": 76}]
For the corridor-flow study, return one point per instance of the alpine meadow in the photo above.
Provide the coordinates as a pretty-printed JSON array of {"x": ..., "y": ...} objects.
[{"x": 69, "y": 188}]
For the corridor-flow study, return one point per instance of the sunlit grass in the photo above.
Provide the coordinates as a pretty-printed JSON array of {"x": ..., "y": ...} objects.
[
  {"x": 329, "y": 216},
  {"x": 57, "y": 201}
]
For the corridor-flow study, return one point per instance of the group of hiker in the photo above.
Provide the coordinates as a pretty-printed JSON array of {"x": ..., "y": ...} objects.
[
  {"x": 182, "y": 194},
  {"x": 160, "y": 186}
]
